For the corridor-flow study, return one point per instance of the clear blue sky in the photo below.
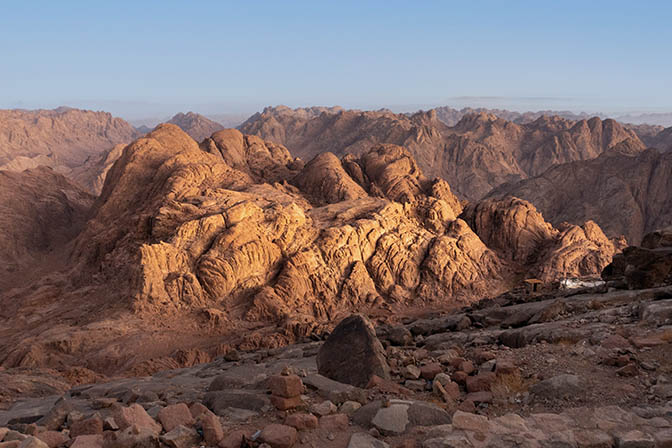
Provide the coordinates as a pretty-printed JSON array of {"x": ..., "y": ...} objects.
[{"x": 136, "y": 58}]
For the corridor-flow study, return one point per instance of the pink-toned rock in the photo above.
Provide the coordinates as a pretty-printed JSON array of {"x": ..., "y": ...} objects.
[
  {"x": 212, "y": 428},
  {"x": 135, "y": 415},
  {"x": 301, "y": 421},
  {"x": 480, "y": 382},
  {"x": 467, "y": 406},
  {"x": 630, "y": 369},
  {"x": 285, "y": 386},
  {"x": 284, "y": 404},
  {"x": 234, "y": 439},
  {"x": 175, "y": 415},
  {"x": 429, "y": 371},
  {"x": 197, "y": 409},
  {"x": 466, "y": 367},
  {"x": 460, "y": 377},
  {"x": 506, "y": 368},
  {"x": 481, "y": 356},
  {"x": 278, "y": 436},
  {"x": 615, "y": 341},
  {"x": 53, "y": 439},
  {"x": 3, "y": 433},
  {"x": 648, "y": 341},
  {"x": 470, "y": 422},
  {"x": 663, "y": 438},
  {"x": 335, "y": 422},
  {"x": 87, "y": 426},
  {"x": 387, "y": 386},
  {"x": 483, "y": 396},
  {"x": 88, "y": 441},
  {"x": 10, "y": 444},
  {"x": 131, "y": 436}
]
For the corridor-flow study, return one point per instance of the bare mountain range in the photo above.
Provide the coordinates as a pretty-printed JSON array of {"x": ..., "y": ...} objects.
[
  {"x": 479, "y": 153},
  {"x": 624, "y": 194},
  {"x": 64, "y": 139},
  {"x": 196, "y": 125},
  {"x": 236, "y": 240}
]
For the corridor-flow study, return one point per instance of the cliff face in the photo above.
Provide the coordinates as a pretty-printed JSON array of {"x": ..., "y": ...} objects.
[
  {"x": 625, "y": 195},
  {"x": 480, "y": 152},
  {"x": 40, "y": 212},
  {"x": 70, "y": 141},
  {"x": 235, "y": 240}
]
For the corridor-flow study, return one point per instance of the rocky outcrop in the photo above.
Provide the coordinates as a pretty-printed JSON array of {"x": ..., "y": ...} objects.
[
  {"x": 235, "y": 240},
  {"x": 64, "y": 139},
  {"x": 40, "y": 212},
  {"x": 196, "y": 125},
  {"x": 477, "y": 153},
  {"x": 517, "y": 232},
  {"x": 624, "y": 194}
]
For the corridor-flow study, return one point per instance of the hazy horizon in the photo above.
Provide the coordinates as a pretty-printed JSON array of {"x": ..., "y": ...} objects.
[{"x": 155, "y": 59}]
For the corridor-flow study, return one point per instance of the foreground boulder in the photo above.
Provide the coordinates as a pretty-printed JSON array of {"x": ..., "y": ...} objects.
[{"x": 353, "y": 354}]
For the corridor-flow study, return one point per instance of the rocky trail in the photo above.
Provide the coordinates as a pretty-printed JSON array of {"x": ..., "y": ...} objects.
[{"x": 582, "y": 368}]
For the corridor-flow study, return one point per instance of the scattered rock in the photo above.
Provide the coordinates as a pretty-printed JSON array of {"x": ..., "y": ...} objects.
[
  {"x": 136, "y": 416},
  {"x": 470, "y": 422},
  {"x": 53, "y": 439},
  {"x": 131, "y": 436},
  {"x": 559, "y": 386},
  {"x": 181, "y": 437},
  {"x": 333, "y": 390},
  {"x": 286, "y": 403},
  {"x": 88, "y": 441},
  {"x": 211, "y": 427},
  {"x": 32, "y": 442},
  {"x": 335, "y": 422},
  {"x": 349, "y": 407},
  {"x": 301, "y": 421},
  {"x": 429, "y": 371},
  {"x": 364, "y": 440},
  {"x": 93, "y": 425},
  {"x": 324, "y": 408},
  {"x": 480, "y": 382},
  {"x": 285, "y": 386},
  {"x": 411, "y": 372},
  {"x": 634, "y": 439},
  {"x": 278, "y": 436}
]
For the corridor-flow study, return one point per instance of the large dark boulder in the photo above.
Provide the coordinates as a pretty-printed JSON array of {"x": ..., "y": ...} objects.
[
  {"x": 353, "y": 354},
  {"x": 640, "y": 268}
]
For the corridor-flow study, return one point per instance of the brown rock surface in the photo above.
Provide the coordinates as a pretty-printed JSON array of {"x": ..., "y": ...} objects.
[
  {"x": 624, "y": 194},
  {"x": 353, "y": 354},
  {"x": 40, "y": 212},
  {"x": 63, "y": 138},
  {"x": 475, "y": 155},
  {"x": 235, "y": 240},
  {"x": 518, "y": 232},
  {"x": 196, "y": 125}
]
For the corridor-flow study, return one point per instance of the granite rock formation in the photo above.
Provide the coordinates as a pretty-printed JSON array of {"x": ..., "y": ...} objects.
[
  {"x": 480, "y": 152},
  {"x": 64, "y": 138},
  {"x": 196, "y": 125},
  {"x": 235, "y": 240},
  {"x": 624, "y": 194}
]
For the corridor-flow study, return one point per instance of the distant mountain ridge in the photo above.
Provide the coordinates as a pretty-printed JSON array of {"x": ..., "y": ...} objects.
[
  {"x": 476, "y": 155},
  {"x": 65, "y": 139},
  {"x": 196, "y": 125},
  {"x": 627, "y": 195}
]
